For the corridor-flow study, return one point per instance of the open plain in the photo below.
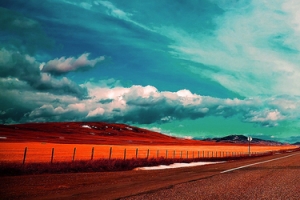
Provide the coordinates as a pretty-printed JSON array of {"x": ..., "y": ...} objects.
[
  {"x": 269, "y": 177},
  {"x": 107, "y": 141},
  {"x": 260, "y": 179}
]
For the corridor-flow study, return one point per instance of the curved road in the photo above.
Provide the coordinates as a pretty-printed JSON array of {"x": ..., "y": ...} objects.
[{"x": 270, "y": 177}]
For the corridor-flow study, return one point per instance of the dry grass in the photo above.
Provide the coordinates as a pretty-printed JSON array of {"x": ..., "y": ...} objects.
[
  {"x": 39, "y": 156},
  {"x": 102, "y": 165},
  {"x": 41, "y": 152}
]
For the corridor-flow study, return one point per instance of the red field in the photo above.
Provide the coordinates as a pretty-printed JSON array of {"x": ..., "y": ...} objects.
[{"x": 64, "y": 137}]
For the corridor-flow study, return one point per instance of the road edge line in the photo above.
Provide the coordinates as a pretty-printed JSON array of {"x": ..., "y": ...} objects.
[{"x": 244, "y": 166}]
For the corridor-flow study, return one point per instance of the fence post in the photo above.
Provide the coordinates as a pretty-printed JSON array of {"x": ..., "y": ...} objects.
[
  {"x": 110, "y": 152},
  {"x": 148, "y": 153},
  {"x": 193, "y": 154},
  {"x": 92, "y": 156},
  {"x": 136, "y": 153},
  {"x": 203, "y": 154},
  {"x": 187, "y": 154},
  {"x": 181, "y": 154},
  {"x": 74, "y": 153},
  {"x": 174, "y": 153},
  {"x": 166, "y": 153},
  {"x": 125, "y": 154},
  {"x": 52, "y": 155},
  {"x": 25, "y": 153},
  {"x": 198, "y": 154},
  {"x": 157, "y": 153},
  {"x": 212, "y": 154}
]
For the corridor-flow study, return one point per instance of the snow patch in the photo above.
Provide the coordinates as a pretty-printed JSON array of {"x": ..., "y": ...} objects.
[
  {"x": 177, "y": 165},
  {"x": 128, "y": 128},
  {"x": 3, "y": 138},
  {"x": 86, "y": 126}
]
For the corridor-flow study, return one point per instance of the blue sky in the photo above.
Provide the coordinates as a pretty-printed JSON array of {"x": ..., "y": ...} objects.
[{"x": 195, "y": 69}]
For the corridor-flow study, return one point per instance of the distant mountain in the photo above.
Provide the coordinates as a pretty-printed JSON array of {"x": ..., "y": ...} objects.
[
  {"x": 241, "y": 139},
  {"x": 296, "y": 143}
]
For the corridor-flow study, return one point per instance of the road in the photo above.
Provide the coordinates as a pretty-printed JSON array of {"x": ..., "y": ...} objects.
[
  {"x": 275, "y": 178},
  {"x": 270, "y": 177}
]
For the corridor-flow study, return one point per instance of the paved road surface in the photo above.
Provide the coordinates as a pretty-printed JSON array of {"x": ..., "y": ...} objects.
[{"x": 271, "y": 177}]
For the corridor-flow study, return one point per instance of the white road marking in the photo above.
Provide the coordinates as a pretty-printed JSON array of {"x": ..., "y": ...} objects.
[{"x": 229, "y": 170}]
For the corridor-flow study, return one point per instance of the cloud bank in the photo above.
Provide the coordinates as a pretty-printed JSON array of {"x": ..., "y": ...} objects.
[{"x": 146, "y": 105}]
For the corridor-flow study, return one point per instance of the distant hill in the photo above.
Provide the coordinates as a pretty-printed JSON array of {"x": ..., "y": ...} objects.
[
  {"x": 296, "y": 143},
  {"x": 241, "y": 139},
  {"x": 88, "y": 133}
]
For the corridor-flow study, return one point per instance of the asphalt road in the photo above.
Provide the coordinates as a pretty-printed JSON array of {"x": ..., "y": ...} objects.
[{"x": 270, "y": 177}]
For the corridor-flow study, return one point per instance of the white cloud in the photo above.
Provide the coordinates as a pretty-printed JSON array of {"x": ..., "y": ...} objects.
[
  {"x": 64, "y": 65},
  {"x": 254, "y": 49},
  {"x": 266, "y": 117},
  {"x": 120, "y": 14},
  {"x": 84, "y": 5},
  {"x": 96, "y": 112},
  {"x": 184, "y": 93},
  {"x": 21, "y": 67},
  {"x": 80, "y": 107},
  {"x": 141, "y": 104},
  {"x": 46, "y": 110},
  {"x": 114, "y": 11}
]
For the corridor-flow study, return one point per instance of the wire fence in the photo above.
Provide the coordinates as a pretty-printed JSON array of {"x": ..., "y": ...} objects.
[
  {"x": 129, "y": 153},
  {"x": 44, "y": 152}
]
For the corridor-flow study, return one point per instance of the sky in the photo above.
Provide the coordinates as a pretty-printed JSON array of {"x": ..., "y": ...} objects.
[{"x": 193, "y": 69}]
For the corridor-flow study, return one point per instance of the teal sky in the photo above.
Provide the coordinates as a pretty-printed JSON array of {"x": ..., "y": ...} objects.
[{"x": 195, "y": 69}]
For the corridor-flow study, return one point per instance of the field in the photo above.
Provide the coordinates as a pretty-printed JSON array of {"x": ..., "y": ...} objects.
[
  {"x": 75, "y": 141},
  {"x": 42, "y": 152}
]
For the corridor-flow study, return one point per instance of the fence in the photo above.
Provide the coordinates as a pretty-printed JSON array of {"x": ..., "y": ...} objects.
[{"x": 131, "y": 153}]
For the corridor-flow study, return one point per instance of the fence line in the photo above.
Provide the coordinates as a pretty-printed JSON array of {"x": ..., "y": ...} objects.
[{"x": 137, "y": 153}]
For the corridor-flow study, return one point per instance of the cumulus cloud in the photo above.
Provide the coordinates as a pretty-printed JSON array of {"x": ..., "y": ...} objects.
[
  {"x": 146, "y": 105},
  {"x": 64, "y": 65},
  {"x": 97, "y": 112},
  {"x": 15, "y": 66}
]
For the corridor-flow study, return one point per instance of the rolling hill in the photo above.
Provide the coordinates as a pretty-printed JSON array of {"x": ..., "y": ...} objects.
[{"x": 87, "y": 133}]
